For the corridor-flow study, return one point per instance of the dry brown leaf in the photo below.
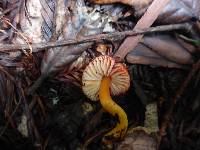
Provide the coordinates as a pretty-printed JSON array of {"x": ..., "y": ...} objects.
[
  {"x": 168, "y": 48},
  {"x": 144, "y": 55}
]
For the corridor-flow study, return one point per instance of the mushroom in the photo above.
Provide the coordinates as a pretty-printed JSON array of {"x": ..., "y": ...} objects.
[{"x": 102, "y": 77}]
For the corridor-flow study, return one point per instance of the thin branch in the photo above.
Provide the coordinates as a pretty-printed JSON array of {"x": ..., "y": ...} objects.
[{"x": 115, "y": 36}]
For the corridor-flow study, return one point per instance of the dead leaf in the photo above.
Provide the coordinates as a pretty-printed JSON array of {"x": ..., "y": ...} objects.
[
  {"x": 167, "y": 47},
  {"x": 139, "y": 141},
  {"x": 180, "y": 11},
  {"x": 144, "y": 55},
  {"x": 48, "y": 15},
  {"x": 59, "y": 58},
  {"x": 175, "y": 12},
  {"x": 30, "y": 20}
]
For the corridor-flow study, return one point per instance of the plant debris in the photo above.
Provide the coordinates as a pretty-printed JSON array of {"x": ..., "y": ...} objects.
[{"x": 45, "y": 46}]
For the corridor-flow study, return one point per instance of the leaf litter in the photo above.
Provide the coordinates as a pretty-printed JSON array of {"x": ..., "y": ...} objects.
[{"x": 42, "y": 105}]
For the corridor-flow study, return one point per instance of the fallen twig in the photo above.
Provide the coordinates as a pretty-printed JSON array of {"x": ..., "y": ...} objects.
[{"x": 115, "y": 36}]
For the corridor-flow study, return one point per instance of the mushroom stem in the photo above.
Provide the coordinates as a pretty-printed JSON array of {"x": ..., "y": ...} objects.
[{"x": 110, "y": 106}]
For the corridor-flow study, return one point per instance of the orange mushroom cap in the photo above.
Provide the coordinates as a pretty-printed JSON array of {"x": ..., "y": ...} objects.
[{"x": 105, "y": 66}]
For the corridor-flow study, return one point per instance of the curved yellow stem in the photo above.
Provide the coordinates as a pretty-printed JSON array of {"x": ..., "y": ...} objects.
[{"x": 110, "y": 106}]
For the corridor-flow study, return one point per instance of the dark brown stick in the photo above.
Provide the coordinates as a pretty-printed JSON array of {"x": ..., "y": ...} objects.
[{"x": 93, "y": 38}]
